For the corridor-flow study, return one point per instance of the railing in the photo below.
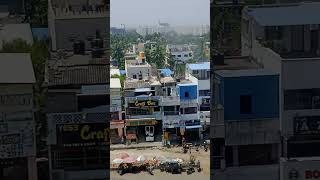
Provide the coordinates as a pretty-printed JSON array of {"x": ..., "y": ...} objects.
[
  {"x": 169, "y": 100},
  {"x": 171, "y": 113}
]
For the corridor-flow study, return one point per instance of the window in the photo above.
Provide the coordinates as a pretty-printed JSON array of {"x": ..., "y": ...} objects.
[
  {"x": 190, "y": 54},
  {"x": 195, "y": 72},
  {"x": 134, "y": 76},
  {"x": 173, "y": 56},
  {"x": 204, "y": 92},
  {"x": 186, "y": 94},
  {"x": 179, "y": 55},
  {"x": 186, "y": 55},
  {"x": 190, "y": 110},
  {"x": 245, "y": 104}
]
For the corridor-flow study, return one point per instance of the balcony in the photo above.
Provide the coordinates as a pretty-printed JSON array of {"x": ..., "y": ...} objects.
[
  {"x": 170, "y": 101},
  {"x": 187, "y": 117},
  {"x": 156, "y": 115},
  {"x": 188, "y": 102}
]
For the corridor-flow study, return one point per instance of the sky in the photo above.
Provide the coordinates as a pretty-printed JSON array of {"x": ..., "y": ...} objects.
[{"x": 149, "y": 12}]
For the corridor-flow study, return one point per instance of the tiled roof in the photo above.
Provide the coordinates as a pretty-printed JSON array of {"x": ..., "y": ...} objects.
[{"x": 79, "y": 75}]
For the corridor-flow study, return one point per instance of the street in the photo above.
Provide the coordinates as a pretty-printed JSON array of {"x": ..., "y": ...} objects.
[{"x": 201, "y": 155}]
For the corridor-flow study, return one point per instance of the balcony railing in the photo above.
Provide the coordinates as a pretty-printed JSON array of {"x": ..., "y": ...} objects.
[
  {"x": 169, "y": 101},
  {"x": 171, "y": 113}
]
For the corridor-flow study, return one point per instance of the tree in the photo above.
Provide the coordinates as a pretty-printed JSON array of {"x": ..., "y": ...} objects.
[{"x": 158, "y": 56}]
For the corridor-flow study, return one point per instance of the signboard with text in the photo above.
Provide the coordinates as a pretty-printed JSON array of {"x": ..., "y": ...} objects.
[
  {"x": 82, "y": 135},
  {"x": 307, "y": 125},
  {"x": 143, "y": 103}
]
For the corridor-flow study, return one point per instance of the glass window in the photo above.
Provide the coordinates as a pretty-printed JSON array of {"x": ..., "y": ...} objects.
[{"x": 245, "y": 104}]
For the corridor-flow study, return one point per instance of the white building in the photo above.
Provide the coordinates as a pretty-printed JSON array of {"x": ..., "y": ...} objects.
[
  {"x": 285, "y": 38},
  {"x": 17, "y": 124},
  {"x": 180, "y": 53},
  {"x": 71, "y": 23},
  {"x": 200, "y": 74},
  {"x": 139, "y": 68}
]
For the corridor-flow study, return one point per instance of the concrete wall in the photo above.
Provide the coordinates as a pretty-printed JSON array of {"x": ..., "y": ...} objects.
[
  {"x": 264, "y": 92},
  {"x": 61, "y": 102},
  {"x": 135, "y": 70},
  {"x": 303, "y": 168},
  {"x": 264, "y": 172},
  {"x": 260, "y": 131},
  {"x": 80, "y": 28}
]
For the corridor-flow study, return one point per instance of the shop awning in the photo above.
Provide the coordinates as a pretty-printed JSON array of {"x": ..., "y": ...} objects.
[{"x": 193, "y": 127}]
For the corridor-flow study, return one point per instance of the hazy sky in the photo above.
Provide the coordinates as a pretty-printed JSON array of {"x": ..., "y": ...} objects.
[{"x": 148, "y": 12}]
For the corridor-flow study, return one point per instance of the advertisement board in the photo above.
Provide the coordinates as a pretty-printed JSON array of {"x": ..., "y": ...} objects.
[
  {"x": 300, "y": 169},
  {"x": 11, "y": 146},
  {"x": 306, "y": 125},
  {"x": 143, "y": 103},
  {"x": 82, "y": 135}
]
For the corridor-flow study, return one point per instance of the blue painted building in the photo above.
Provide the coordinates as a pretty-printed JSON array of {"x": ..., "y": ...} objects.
[
  {"x": 189, "y": 110},
  {"x": 246, "y": 118},
  {"x": 248, "y": 94}
]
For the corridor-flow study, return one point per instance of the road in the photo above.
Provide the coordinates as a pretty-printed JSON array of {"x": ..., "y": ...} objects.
[{"x": 202, "y": 156}]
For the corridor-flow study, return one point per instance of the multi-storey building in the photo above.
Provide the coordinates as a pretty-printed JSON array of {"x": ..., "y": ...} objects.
[
  {"x": 189, "y": 110},
  {"x": 200, "y": 74},
  {"x": 77, "y": 78},
  {"x": 179, "y": 53},
  {"x": 17, "y": 123},
  {"x": 117, "y": 124},
  {"x": 285, "y": 38},
  {"x": 244, "y": 117},
  {"x": 72, "y": 21},
  {"x": 142, "y": 94},
  {"x": 170, "y": 109}
]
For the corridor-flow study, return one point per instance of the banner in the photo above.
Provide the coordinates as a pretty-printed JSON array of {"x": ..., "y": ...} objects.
[
  {"x": 81, "y": 135},
  {"x": 144, "y": 103}
]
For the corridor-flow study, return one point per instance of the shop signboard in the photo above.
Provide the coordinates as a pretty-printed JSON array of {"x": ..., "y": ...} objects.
[
  {"x": 300, "y": 169},
  {"x": 141, "y": 122},
  {"x": 82, "y": 135},
  {"x": 306, "y": 125},
  {"x": 11, "y": 146},
  {"x": 144, "y": 103}
]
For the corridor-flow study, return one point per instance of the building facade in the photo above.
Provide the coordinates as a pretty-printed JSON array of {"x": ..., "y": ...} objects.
[{"x": 17, "y": 123}]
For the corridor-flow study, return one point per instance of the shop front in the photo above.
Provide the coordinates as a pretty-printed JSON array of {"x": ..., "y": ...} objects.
[
  {"x": 142, "y": 130},
  {"x": 116, "y": 131},
  {"x": 300, "y": 169},
  {"x": 172, "y": 132},
  {"x": 193, "y": 130},
  {"x": 10, "y": 167}
]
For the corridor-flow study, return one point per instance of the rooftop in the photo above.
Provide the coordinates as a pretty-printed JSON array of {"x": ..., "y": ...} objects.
[
  {"x": 78, "y": 70},
  {"x": 16, "y": 68},
  {"x": 247, "y": 72},
  {"x": 185, "y": 82},
  {"x": 114, "y": 72},
  {"x": 10, "y": 32},
  {"x": 199, "y": 66},
  {"x": 115, "y": 83},
  {"x": 168, "y": 79},
  {"x": 166, "y": 72},
  {"x": 237, "y": 63},
  {"x": 283, "y": 15}
]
